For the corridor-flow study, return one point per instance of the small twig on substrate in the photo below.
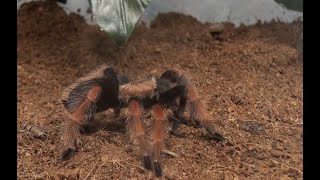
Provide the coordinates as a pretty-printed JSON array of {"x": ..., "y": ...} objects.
[
  {"x": 133, "y": 165},
  {"x": 83, "y": 159},
  {"x": 296, "y": 148},
  {"x": 98, "y": 169},
  {"x": 226, "y": 168},
  {"x": 204, "y": 155},
  {"x": 288, "y": 166},
  {"x": 170, "y": 153},
  {"x": 298, "y": 123},
  {"x": 249, "y": 165},
  {"x": 99, "y": 129},
  {"x": 270, "y": 107},
  {"x": 116, "y": 162},
  {"x": 91, "y": 170}
]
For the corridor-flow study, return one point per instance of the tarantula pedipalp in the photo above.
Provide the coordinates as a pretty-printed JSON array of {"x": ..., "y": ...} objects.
[{"x": 104, "y": 88}]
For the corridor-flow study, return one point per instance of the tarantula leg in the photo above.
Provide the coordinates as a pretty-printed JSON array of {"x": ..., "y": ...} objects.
[
  {"x": 122, "y": 104},
  {"x": 199, "y": 114},
  {"x": 178, "y": 120},
  {"x": 195, "y": 106},
  {"x": 172, "y": 95},
  {"x": 80, "y": 114},
  {"x": 72, "y": 133},
  {"x": 215, "y": 135},
  {"x": 116, "y": 112},
  {"x": 137, "y": 131},
  {"x": 157, "y": 136}
]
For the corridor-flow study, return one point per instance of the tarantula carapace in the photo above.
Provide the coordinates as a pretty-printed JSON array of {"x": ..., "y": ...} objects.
[{"x": 104, "y": 89}]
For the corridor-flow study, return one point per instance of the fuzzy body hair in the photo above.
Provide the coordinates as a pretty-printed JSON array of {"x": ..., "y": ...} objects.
[
  {"x": 136, "y": 128},
  {"x": 95, "y": 92},
  {"x": 184, "y": 78},
  {"x": 141, "y": 88},
  {"x": 97, "y": 73},
  {"x": 71, "y": 133},
  {"x": 196, "y": 107},
  {"x": 158, "y": 131},
  {"x": 81, "y": 102},
  {"x": 80, "y": 94}
]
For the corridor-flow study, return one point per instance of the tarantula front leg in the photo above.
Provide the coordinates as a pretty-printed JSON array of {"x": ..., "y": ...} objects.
[
  {"x": 195, "y": 106},
  {"x": 199, "y": 114},
  {"x": 171, "y": 95},
  {"x": 137, "y": 131},
  {"x": 122, "y": 103},
  {"x": 157, "y": 136}
]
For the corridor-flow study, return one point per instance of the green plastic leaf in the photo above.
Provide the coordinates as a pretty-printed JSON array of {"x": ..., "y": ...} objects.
[
  {"x": 295, "y": 5},
  {"x": 118, "y": 17}
]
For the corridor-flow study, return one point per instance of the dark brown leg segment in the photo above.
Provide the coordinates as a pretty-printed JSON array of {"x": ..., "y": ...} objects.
[
  {"x": 137, "y": 131},
  {"x": 169, "y": 96},
  {"x": 122, "y": 104}
]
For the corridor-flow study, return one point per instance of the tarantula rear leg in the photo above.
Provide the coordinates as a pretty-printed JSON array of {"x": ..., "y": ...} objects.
[
  {"x": 157, "y": 136},
  {"x": 80, "y": 115},
  {"x": 71, "y": 140},
  {"x": 137, "y": 131}
]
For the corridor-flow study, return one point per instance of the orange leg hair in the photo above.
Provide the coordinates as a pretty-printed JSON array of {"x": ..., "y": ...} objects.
[
  {"x": 199, "y": 113},
  {"x": 157, "y": 136},
  {"x": 137, "y": 131},
  {"x": 82, "y": 113}
]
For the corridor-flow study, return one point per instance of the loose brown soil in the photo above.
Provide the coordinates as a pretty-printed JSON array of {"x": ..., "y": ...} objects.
[{"x": 250, "y": 80}]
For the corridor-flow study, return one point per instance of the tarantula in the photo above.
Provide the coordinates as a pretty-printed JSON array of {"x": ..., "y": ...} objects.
[{"x": 104, "y": 89}]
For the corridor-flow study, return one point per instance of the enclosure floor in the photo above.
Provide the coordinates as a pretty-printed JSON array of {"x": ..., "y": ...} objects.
[{"x": 251, "y": 82}]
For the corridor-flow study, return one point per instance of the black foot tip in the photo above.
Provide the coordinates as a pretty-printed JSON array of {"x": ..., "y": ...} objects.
[
  {"x": 147, "y": 162},
  {"x": 183, "y": 121},
  {"x": 67, "y": 154},
  {"x": 218, "y": 137},
  {"x": 175, "y": 125},
  {"x": 178, "y": 122},
  {"x": 157, "y": 169}
]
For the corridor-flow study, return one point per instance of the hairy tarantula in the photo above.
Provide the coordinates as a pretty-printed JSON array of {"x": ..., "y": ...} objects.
[{"x": 104, "y": 89}]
